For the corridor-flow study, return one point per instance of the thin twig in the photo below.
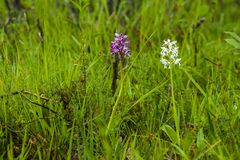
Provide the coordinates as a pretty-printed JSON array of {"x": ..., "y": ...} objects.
[
  {"x": 25, "y": 92},
  {"x": 35, "y": 95},
  {"x": 212, "y": 62},
  {"x": 41, "y": 105},
  {"x": 10, "y": 94},
  {"x": 33, "y": 102}
]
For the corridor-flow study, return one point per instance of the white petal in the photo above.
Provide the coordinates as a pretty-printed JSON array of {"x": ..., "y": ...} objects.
[{"x": 177, "y": 61}]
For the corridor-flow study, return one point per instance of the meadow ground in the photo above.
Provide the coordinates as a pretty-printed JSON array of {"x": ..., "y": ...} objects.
[{"x": 56, "y": 73}]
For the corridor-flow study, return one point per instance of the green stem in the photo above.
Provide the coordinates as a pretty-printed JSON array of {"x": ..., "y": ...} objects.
[
  {"x": 116, "y": 103},
  {"x": 175, "y": 112}
]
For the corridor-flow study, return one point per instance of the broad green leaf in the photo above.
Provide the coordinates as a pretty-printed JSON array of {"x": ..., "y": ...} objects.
[
  {"x": 233, "y": 42},
  {"x": 200, "y": 139},
  {"x": 180, "y": 151},
  {"x": 234, "y": 35},
  {"x": 171, "y": 133},
  {"x": 212, "y": 131}
]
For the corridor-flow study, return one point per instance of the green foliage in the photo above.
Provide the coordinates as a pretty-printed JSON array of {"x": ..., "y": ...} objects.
[
  {"x": 234, "y": 41},
  {"x": 56, "y": 74},
  {"x": 171, "y": 133}
]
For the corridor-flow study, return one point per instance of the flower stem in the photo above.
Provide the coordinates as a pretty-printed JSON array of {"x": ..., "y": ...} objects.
[
  {"x": 175, "y": 112},
  {"x": 115, "y": 74},
  {"x": 117, "y": 100}
]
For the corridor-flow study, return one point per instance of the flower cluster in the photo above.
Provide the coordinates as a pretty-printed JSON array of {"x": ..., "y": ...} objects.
[
  {"x": 120, "y": 45},
  {"x": 169, "y": 53}
]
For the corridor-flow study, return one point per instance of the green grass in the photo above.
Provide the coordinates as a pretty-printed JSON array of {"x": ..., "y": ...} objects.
[{"x": 55, "y": 89}]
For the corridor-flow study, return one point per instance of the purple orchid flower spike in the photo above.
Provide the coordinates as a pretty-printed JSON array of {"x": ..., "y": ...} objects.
[
  {"x": 120, "y": 45},
  {"x": 119, "y": 48}
]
